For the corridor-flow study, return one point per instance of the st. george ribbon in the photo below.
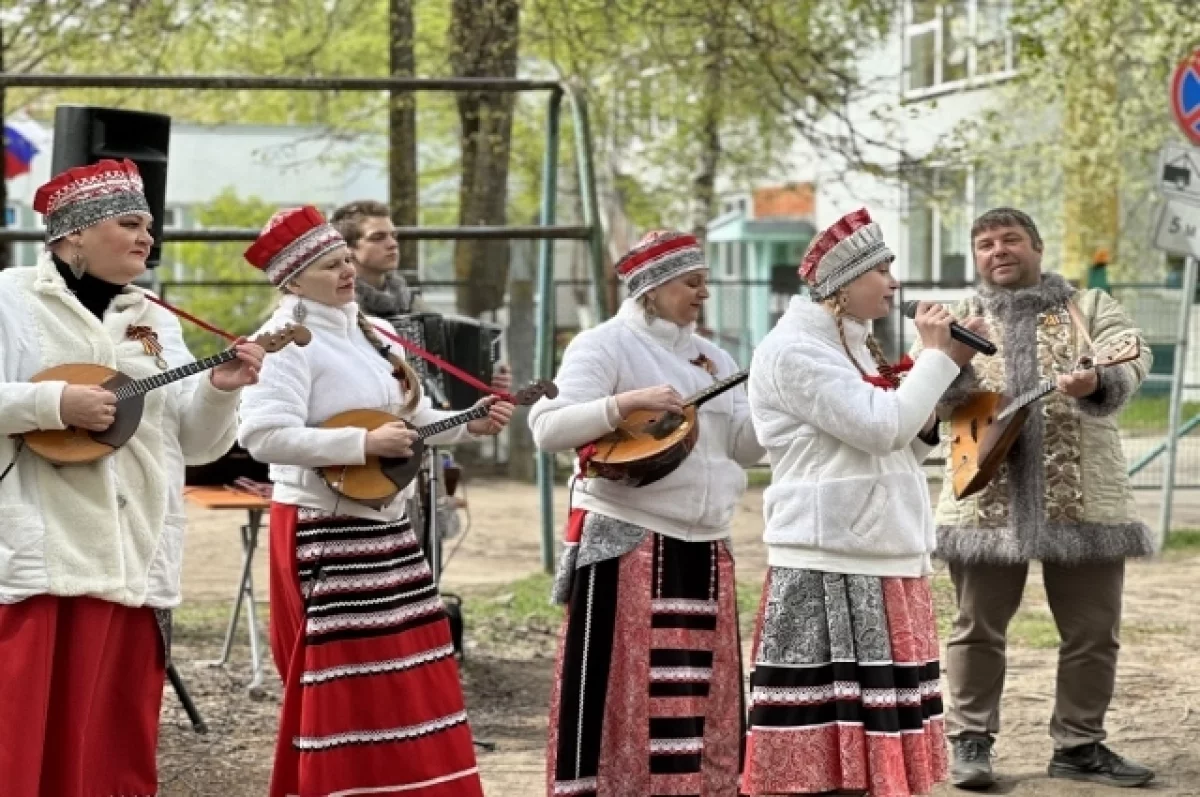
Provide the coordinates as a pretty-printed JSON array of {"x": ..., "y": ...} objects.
[{"x": 958, "y": 332}]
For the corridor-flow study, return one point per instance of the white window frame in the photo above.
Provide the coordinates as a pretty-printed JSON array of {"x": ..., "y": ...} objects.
[
  {"x": 935, "y": 243},
  {"x": 937, "y": 28}
]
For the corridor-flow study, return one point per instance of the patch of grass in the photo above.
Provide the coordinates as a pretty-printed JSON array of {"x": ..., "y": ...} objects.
[
  {"x": 525, "y": 602},
  {"x": 758, "y": 477},
  {"x": 1033, "y": 629},
  {"x": 1183, "y": 540},
  {"x": 1149, "y": 413}
]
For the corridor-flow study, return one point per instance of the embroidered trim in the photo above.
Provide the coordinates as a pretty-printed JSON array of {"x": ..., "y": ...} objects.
[
  {"x": 391, "y": 542},
  {"x": 689, "y": 746},
  {"x": 316, "y": 743},
  {"x": 376, "y": 667},
  {"x": 579, "y": 786},
  {"x": 681, "y": 674},
  {"x": 683, "y": 606},
  {"x": 324, "y": 625}
]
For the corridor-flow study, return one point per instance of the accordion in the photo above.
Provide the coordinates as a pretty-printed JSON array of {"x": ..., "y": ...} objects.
[{"x": 466, "y": 343}]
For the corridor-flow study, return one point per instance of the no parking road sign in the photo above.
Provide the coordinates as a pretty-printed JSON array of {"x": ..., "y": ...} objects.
[{"x": 1185, "y": 96}]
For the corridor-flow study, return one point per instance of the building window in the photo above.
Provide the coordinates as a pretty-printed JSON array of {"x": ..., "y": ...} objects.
[
  {"x": 953, "y": 42},
  {"x": 940, "y": 205}
]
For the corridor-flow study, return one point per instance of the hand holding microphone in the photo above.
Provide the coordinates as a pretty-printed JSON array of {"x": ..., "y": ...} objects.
[{"x": 939, "y": 329}]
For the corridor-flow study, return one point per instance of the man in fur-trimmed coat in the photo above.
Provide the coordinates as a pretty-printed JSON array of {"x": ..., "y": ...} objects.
[{"x": 1062, "y": 498}]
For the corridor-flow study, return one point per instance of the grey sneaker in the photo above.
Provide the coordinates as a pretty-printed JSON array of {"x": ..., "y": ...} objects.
[
  {"x": 972, "y": 767},
  {"x": 1097, "y": 764}
]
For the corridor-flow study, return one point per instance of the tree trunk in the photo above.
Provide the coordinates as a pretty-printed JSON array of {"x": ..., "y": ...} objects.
[
  {"x": 704, "y": 193},
  {"x": 5, "y": 247},
  {"x": 522, "y": 337},
  {"x": 484, "y": 39},
  {"x": 402, "y": 132}
]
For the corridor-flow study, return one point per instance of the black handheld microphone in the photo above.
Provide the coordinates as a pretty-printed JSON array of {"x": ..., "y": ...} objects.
[{"x": 958, "y": 332}]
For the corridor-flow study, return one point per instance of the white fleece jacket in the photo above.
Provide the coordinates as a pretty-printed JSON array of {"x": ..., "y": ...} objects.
[
  {"x": 113, "y": 529},
  {"x": 847, "y": 491},
  {"x": 697, "y": 501},
  {"x": 299, "y": 388}
]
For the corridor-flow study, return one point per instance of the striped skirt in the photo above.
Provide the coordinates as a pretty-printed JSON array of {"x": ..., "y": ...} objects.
[
  {"x": 648, "y": 694},
  {"x": 372, "y": 702},
  {"x": 844, "y": 691}
]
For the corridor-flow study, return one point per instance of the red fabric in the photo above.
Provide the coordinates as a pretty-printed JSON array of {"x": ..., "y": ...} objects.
[
  {"x": 282, "y": 229},
  {"x": 81, "y": 183},
  {"x": 82, "y": 688},
  {"x": 883, "y": 381},
  {"x": 652, "y": 247},
  {"x": 440, "y": 764},
  {"x": 575, "y": 525},
  {"x": 839, "y": 231}
]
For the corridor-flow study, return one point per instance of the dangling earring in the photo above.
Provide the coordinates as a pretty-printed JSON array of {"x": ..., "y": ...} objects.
[
  {"x": 299, "y": 311},
  {"x": 651, "y": 312},
  {"x": 78, "y": 267}
]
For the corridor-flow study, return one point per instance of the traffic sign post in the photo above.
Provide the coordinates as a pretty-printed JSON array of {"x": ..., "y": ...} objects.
[
  {"x": 1185, "y": 97},
  {"x": 1178, "y": 232}
]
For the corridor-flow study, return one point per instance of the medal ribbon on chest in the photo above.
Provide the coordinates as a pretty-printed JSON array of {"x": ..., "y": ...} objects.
[{"x": 149, "y": 340}]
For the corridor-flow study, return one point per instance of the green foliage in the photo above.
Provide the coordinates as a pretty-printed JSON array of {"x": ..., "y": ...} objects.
[
  {"x": 673, "y": 82},
  {"x": 238, "y": 309},
  {"x": 1074, "y": 138}
]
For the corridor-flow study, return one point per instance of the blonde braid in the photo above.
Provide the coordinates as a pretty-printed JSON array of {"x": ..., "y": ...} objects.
[
  {"x": 835, "y": 307},
  {"x": 885, "y": 368},
  {"x": 409, "y": 381}
]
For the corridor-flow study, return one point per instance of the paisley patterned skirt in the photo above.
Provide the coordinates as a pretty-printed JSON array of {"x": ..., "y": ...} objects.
[
  {"x": 844, "y": 691},
  {"x": 648, "y": 694}
]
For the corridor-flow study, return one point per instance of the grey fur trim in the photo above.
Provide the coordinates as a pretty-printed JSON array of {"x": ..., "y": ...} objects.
[
  {"x": 1118, "y": 385},
  {"x": 1026, "y": 466},
  {"x": 959, "y": 391},
  {"x": 1051, "y": 293},
  {"x": 1075, "y": 544}
]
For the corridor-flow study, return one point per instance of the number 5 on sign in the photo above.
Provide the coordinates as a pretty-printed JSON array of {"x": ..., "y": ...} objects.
[{"x": 1178, "y": 229}]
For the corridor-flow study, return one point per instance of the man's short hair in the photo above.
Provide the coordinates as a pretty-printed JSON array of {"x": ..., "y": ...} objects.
[
  {"x": 348, "y": 219},
  {"x": 1006, "y": 217}
]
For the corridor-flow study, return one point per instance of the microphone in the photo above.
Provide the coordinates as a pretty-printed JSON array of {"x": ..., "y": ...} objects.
[{"x": 958, "y": 332}]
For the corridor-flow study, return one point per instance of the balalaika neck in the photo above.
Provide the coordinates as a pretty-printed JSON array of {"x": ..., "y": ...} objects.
[
  {"x": 446, "y": 424},
  {"x": 717, "y": 388},
  {"x": 1045, "y": 387},
  {"x": 140, "y": 387}
]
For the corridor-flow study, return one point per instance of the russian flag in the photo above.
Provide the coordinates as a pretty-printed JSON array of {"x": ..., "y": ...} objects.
[{"x": 18, "y": 153}]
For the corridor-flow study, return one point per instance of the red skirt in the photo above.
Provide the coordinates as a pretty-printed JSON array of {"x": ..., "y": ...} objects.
[
  {"x": 82, "y": 687},
  {"x": 845, "y": 690},
  {"x": 372, "y": 703}
]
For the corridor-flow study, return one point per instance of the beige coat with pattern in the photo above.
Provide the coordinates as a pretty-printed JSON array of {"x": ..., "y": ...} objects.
[{"x": 1063, "y": 494}]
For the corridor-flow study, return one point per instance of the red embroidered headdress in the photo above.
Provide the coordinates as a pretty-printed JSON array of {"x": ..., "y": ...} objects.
[
  {"x": 86, "y": 195},
  {"x": 849, "y": 248},
  {"x": 661, "y": 256},
  {"x": 292, "y": 241}
]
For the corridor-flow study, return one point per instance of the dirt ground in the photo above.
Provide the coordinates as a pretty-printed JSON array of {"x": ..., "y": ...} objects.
[{"x": 1155, "y": 717}]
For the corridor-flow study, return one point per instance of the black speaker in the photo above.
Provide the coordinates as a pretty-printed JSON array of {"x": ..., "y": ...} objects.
[
  {"x": 85, "y": 134},
  {"x": 785, "y": 279}
]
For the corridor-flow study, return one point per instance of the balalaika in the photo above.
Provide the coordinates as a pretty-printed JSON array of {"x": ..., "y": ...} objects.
[{"x": 648, "y": 446}]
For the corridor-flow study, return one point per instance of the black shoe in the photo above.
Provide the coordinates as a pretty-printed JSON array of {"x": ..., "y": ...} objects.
[
  {"x": 972, "y": 767},
  {"x": 1097, "y": 764}
]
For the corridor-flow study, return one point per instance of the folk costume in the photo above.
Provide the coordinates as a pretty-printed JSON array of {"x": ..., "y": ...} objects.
[
  {"x": 372, "y": 701},
  {"x": 844, "y": 690},
  {"x": 647, "y": 697},
  {"x": 1061, "y": 498},
  {"x": 89, "y": 554}
]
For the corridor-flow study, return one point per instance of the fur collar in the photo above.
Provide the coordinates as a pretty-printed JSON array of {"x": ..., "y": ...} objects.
[
  {"x": 1051, "y": 293},
  {"x": 672, "y": 336}
]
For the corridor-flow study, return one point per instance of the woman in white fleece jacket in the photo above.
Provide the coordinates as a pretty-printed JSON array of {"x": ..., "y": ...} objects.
[
  {"x": 372, "y": 702},
  {"x": 648, "y": 696},
  {"x": 844, "y": 687},
  {"x": 90, "y": 555}
]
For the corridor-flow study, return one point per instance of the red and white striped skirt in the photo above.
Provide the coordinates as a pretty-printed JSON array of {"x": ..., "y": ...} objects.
[{"x": 372, "y": 701}]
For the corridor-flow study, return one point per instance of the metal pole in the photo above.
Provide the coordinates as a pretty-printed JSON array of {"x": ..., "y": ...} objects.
[
  {"x": 591, "y": 202},
  {"x": 260, "y": 83},
  {"x": 543, "y": 364},
  {"x": 1187, "y": 298},
  {"x": 480, "y": 233}
]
